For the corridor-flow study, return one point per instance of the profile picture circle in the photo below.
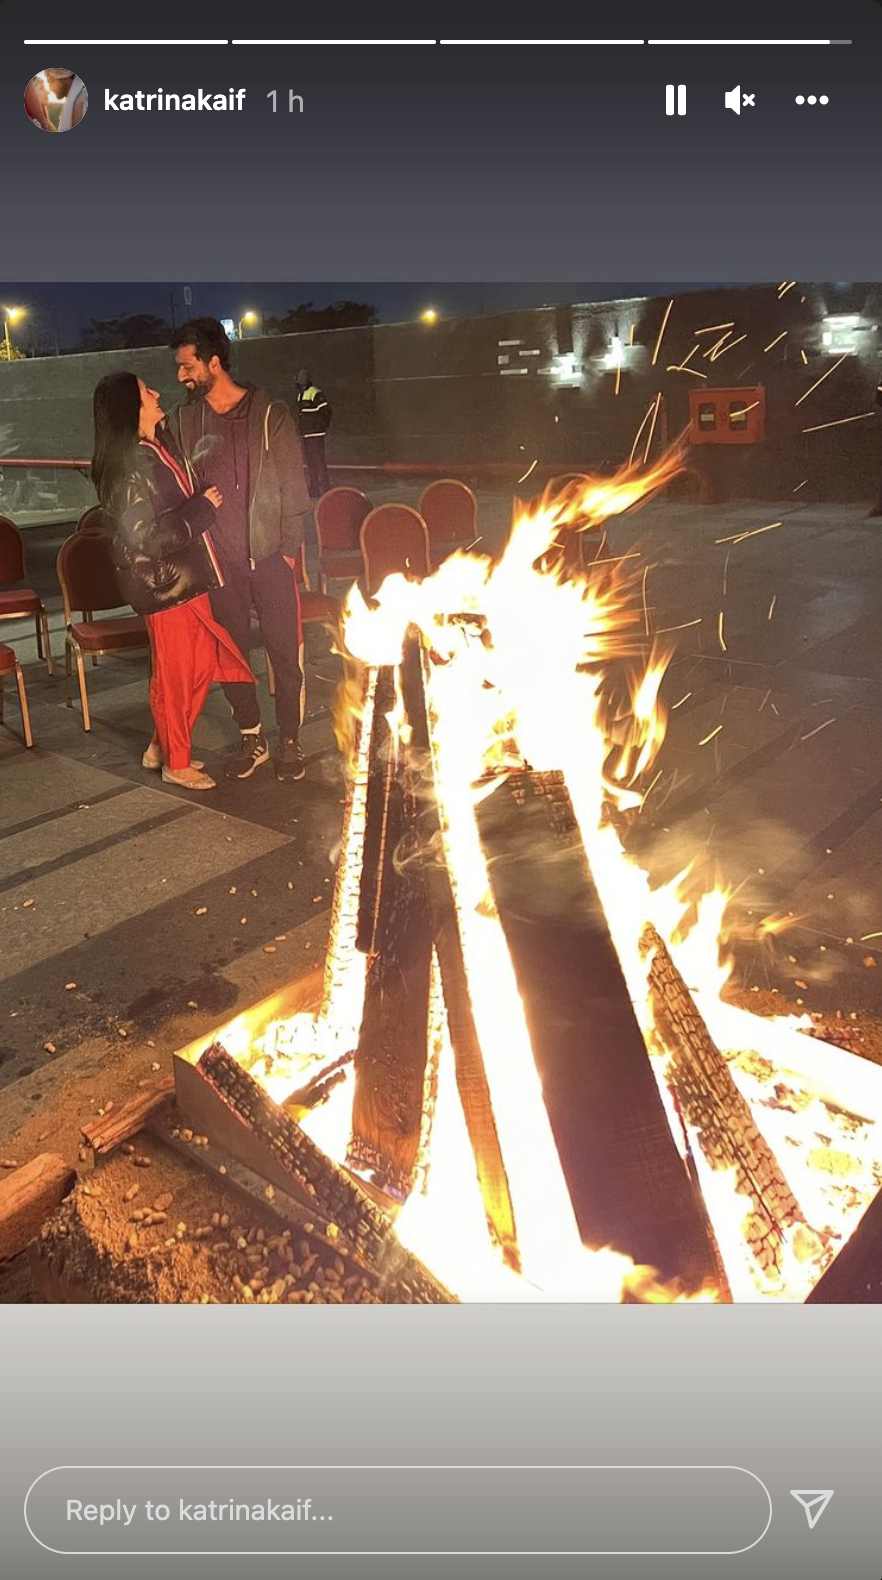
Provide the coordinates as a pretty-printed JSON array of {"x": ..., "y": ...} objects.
[{"x": 56, "y": 99}]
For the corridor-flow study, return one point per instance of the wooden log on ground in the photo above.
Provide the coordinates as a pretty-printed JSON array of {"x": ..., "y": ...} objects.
[
  {"x": 396, "y": 934},
  {"x": 110, "y": 1130},
  {"x": 225, "y": 1103},
  {"x": 471, "y": 1076},
  {"x": 28, "y": 1197},
  {"x": 855, "y": 1277},
  {"x": 628, "y": 1183},
  {"x": 713, "y": 1107}
]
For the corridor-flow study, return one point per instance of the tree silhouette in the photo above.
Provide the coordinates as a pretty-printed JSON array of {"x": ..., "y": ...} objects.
[
  {"x": 307, "y": 317},
  {"x": 125, "y": 333}
]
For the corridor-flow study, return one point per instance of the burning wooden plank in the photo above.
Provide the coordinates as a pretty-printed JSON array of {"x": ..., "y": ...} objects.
[
  {"x": 225, "y": 1103},
  {"x": 715, "y": 1110},
  {"x": 395, "y": 931},
  {"x": 471, "y": 1075},
  {"x": 629, "y": 1186}
]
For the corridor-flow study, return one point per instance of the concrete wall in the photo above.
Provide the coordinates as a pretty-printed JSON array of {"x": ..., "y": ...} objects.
[{"x": 451, "y": 392}]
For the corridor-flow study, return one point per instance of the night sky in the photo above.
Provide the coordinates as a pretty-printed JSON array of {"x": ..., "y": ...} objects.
[{"x": 64, "y": 311}]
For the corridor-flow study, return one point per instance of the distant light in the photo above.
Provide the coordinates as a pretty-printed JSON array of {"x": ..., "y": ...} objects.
[
  {"x": 429, "y": 315},
  {"x": 249, "y": 317},
  {"x": 839, "y": 333},
  {"x": 567, "y": 370},
  {"x": 615, "y": 357},
  {"x": 14, "y": 313}
]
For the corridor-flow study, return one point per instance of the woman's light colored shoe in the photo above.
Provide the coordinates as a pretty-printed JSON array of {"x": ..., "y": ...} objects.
[
  {"x": 152, "y": 758},
  {"x": 188, "y": 778}
]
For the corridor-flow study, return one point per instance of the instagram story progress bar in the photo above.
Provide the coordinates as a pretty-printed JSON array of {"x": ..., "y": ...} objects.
[{"x": 675, "y": 99}]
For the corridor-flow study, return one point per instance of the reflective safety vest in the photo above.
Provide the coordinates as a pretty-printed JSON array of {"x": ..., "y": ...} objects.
[{"x": 314, "y": 413}]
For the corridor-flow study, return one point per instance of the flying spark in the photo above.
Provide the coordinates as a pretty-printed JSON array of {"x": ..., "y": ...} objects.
[
  {"x": 679, "y": 704},
  {"x": 720, "y": 633},
  {"x": 817, "y": 730},
  {"x": 652, "y": 428},
  {"x": 739, "y": 537},
  {"x": 810, "y": 391},
  {"x": 531, "y": 468},
  {"x": 716, "y": 354},
  {"x": 711, "y": 736},
  {"x": 772, "y": 607},
  {"x": 777, "y": 341},
  {"x": 664, "y": 325},
  {"x": 860, "y": 416}
]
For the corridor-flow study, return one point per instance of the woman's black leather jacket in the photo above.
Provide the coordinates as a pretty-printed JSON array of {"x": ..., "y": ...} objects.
[{"x": 160, "y": 550}]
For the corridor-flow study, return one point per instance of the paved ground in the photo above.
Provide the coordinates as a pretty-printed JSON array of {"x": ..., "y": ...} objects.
[{"x": 103, "y": 869}]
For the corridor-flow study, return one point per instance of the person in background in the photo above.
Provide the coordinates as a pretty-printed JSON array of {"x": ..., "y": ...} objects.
[
  {"x": 248, "y": 444},
  {"x": 314, "y": 418},
  {"x": 71, "y": 89},
  {"x": 166, "y": 564},
  {"x": 36, "y": 98}
]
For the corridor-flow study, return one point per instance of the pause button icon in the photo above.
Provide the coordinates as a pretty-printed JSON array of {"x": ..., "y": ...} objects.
[{"x": 675, "y": 99}]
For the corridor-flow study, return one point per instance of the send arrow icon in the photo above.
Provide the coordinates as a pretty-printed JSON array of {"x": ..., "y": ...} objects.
[{"x": 814, "y": 1504}]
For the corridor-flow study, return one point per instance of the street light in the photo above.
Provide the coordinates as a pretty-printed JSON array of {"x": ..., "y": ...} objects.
[
  {"x": 247, "y": 318},
  {"x": 10, "y": 316},
  {"x": 429, "y": 315}
]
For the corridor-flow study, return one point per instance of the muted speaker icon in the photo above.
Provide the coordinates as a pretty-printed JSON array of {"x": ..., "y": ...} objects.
[{"x": 735, "y": 98}]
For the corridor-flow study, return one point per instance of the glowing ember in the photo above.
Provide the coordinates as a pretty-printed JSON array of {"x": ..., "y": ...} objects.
[{"x": 526, "y": 666}]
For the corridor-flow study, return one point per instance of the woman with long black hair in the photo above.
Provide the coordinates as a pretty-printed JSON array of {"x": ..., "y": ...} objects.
[{"x": 166, "y": 564}]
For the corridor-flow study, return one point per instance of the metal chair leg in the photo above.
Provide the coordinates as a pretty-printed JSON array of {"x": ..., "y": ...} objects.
[
  {"x": 46, "y": 644},
  {"x": 25, "y": 711},
  {"x": 67, "y": 670},
  {"x": 84, "y": 696},
  {"x": 302, "y": 660},
  {"x": 2, "y": 697},
  {"x": 39, "y": 636}
]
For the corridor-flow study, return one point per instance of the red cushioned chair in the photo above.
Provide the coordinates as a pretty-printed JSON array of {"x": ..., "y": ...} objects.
[
  {"x": 450, "y": 511},
  {"x": 9, "y": 665},
  {"x": 338, "y": 518},
  {"x": 394, "y": 538},
  {"x": 316, "y": 608},
  {"x": 97, "y": 521},
  {"x": 88, "y": 581},
  {"x": 21, "y": 602}
]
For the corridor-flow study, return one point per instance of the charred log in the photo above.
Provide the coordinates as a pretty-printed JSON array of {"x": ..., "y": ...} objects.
[
  {"x": 395, "y": 930},
  {"x": 225, "y": 1102},
  {"x": 715, "y": 1110},
  {"x": 629, "y": 1186}
]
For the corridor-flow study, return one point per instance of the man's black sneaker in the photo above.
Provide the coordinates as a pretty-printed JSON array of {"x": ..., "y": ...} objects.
[
  {"x": 252, "y": 752},
  {"x": 289, "y": 760}
]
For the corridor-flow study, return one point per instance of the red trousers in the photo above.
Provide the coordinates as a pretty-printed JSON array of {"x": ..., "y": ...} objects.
[{"x": 189, "y": 650}]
